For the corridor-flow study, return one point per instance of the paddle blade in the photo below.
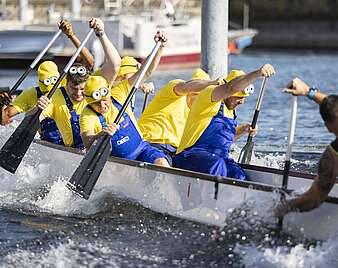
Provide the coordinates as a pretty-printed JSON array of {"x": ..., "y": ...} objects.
[
  {"x": 86, "y": 175},
  {"x": 15, "y": 148},
  {"x": 246, "y": 153}
]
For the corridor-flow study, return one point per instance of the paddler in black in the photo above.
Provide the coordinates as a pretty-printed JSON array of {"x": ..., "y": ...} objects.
[{"x": 328, "y": 163}]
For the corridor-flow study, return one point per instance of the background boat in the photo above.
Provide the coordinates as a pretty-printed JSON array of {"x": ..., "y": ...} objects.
[{"x": 131, "y": 33}]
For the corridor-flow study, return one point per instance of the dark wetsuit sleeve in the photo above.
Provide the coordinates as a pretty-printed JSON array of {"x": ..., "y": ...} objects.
[{"x": 327, "y": 168}]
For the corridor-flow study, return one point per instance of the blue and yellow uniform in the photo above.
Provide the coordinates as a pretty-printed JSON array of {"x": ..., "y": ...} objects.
[
  {"x": 127, "y": 142},
  {"x": 27, "y": 100},
  {"x": 162, "y": 122},
  {"x": 208, "y": 135},
  {"x": 66, "y": 113}
]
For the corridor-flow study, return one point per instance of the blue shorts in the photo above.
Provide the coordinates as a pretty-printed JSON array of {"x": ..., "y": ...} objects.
[
  {"x": 206, "y": 162},
  {"x": 149, "y": 153}
]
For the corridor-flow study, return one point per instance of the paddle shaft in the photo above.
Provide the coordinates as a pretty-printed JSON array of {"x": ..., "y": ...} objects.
[
  {"x": 258, "y": 104},
  {"x": 33, "y": 64},
  {"x": 246, "y": 152},
  {"x": 287, "y": 164},
  {"x": 145, "y": 101},
  {"x": 86, "y": 175}
]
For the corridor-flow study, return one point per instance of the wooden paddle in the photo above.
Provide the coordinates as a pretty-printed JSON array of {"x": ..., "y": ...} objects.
[
  {"x": 33, "y": 64},
  {"x": 246, "y": 152},
  {"x": 86, "y": 175},
  {"x": 15, "y": 148},
  {"x": 287, "y": 164}
]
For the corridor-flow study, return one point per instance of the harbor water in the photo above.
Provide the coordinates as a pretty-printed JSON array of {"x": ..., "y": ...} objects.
[{"x": 37, "y": 228}]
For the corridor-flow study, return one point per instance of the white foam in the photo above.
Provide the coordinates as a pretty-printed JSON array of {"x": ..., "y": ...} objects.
[{"x": 323, "y": 255}]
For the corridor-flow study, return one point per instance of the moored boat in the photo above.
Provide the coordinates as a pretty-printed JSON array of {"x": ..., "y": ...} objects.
[{"x": 201, "y": 197}]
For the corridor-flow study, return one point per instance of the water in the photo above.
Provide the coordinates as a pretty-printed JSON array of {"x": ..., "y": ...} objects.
[{"x": 43, "y": 230}]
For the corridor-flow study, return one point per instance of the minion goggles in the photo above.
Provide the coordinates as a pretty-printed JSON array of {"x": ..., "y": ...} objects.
[
  {"x": 50, "y": 81},
  {"x": 81, "y": 70},
  {"x": 99, "y": 94},
  {"x": 249, "y": 90}
]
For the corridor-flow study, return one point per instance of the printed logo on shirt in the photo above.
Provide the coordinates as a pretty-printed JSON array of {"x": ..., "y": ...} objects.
[{"x": 123, "y": 140}]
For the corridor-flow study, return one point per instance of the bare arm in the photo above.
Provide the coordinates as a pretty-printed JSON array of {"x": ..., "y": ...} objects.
[
  {"x": 298, "y": 87},
  {"x": 240, "y": 83},
  {"x": 193, "y": 86},
  {"x": 160, "y": 36},
  {"x": 112, "y": 62},
  {"x": 67, "y": 29},
  {"x": 320, "y": 188}
]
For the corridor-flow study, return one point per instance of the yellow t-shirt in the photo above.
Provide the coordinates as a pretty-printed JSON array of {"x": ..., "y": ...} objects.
[
  {"x": 164, "y": 118},
  {"x": 58, "y": 111},
  {"x": 28, "y": 99},
  {"x": 89, "y": 120},
  {"x": 200, "y": 116}
]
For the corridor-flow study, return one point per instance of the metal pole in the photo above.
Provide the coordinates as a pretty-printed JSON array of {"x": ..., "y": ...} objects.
[
  {"x": 75, "y": 8},
  {"x": 23, "y": 8},
  {"x": 214, "y": 50},
  {"x": 246, "y": 14}
]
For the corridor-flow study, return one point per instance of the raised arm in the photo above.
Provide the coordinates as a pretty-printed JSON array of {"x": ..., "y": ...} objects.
[
  {"x": 67, "y": 29},
  {"x": 112, "y": 62},
  {"x": 238, "y": 84},
  {"x": 298, "y": 87},
  {"x": 162, "y": 37},
  {"x": 193, "y": 86}
]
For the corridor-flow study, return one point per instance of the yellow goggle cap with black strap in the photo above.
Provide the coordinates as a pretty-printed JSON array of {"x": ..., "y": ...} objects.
[
  {"x": 48, "y": 74},
  {"x": 96, "y": 89},
  {"x": 128, "y": 65},
  {"x": 249, "y": 90}
]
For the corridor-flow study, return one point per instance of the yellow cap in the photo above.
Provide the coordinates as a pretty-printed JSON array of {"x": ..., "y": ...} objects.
[
  {"x": 93, "y": 85},
  {"x": 128, "y": 65},
  {"x": 46, "y": 70},
  {"x": 234, "y": 74},
  {"x": 200, "y": 74}
]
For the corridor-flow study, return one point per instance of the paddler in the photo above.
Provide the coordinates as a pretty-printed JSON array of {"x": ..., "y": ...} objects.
[
  {"x": 328, "y": 163},
  {"x": 68, "y": 102},
  {"x": 47, "y": 76},
  {"x": 98, "y": 117},
  {"x": 211, "y": 126},
  {"x": 163, "y": 120},
  {"x": 129, "y": 70}
]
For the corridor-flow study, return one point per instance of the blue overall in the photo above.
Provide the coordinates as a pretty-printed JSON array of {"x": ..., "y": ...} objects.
[
  {"x": 74, "y": 121},
  {"x": 127, "y": 142},
  {"x": 49, "y": 131},
  {"x": 210, "y": 154}
]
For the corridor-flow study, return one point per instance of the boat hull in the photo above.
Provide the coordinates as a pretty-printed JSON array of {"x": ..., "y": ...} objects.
[{"x": 201, "y": 197}]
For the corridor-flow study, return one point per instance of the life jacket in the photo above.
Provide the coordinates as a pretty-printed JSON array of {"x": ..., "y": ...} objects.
[
  {"x": 49, "y": 131},
  {"x": 74, "y": 121},
  {"x": 127, "y": 141}
]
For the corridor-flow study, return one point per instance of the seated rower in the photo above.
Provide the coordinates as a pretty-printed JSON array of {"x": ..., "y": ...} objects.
[
  {"x": 211, "y": 126},
  {"x": 68, "y": 102},
  {"x": 47, "y": 75},
  {"x": 328, "y": 163},
  {"x": 162, "y": 122},
  {"x": 98, "y": 117}
]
